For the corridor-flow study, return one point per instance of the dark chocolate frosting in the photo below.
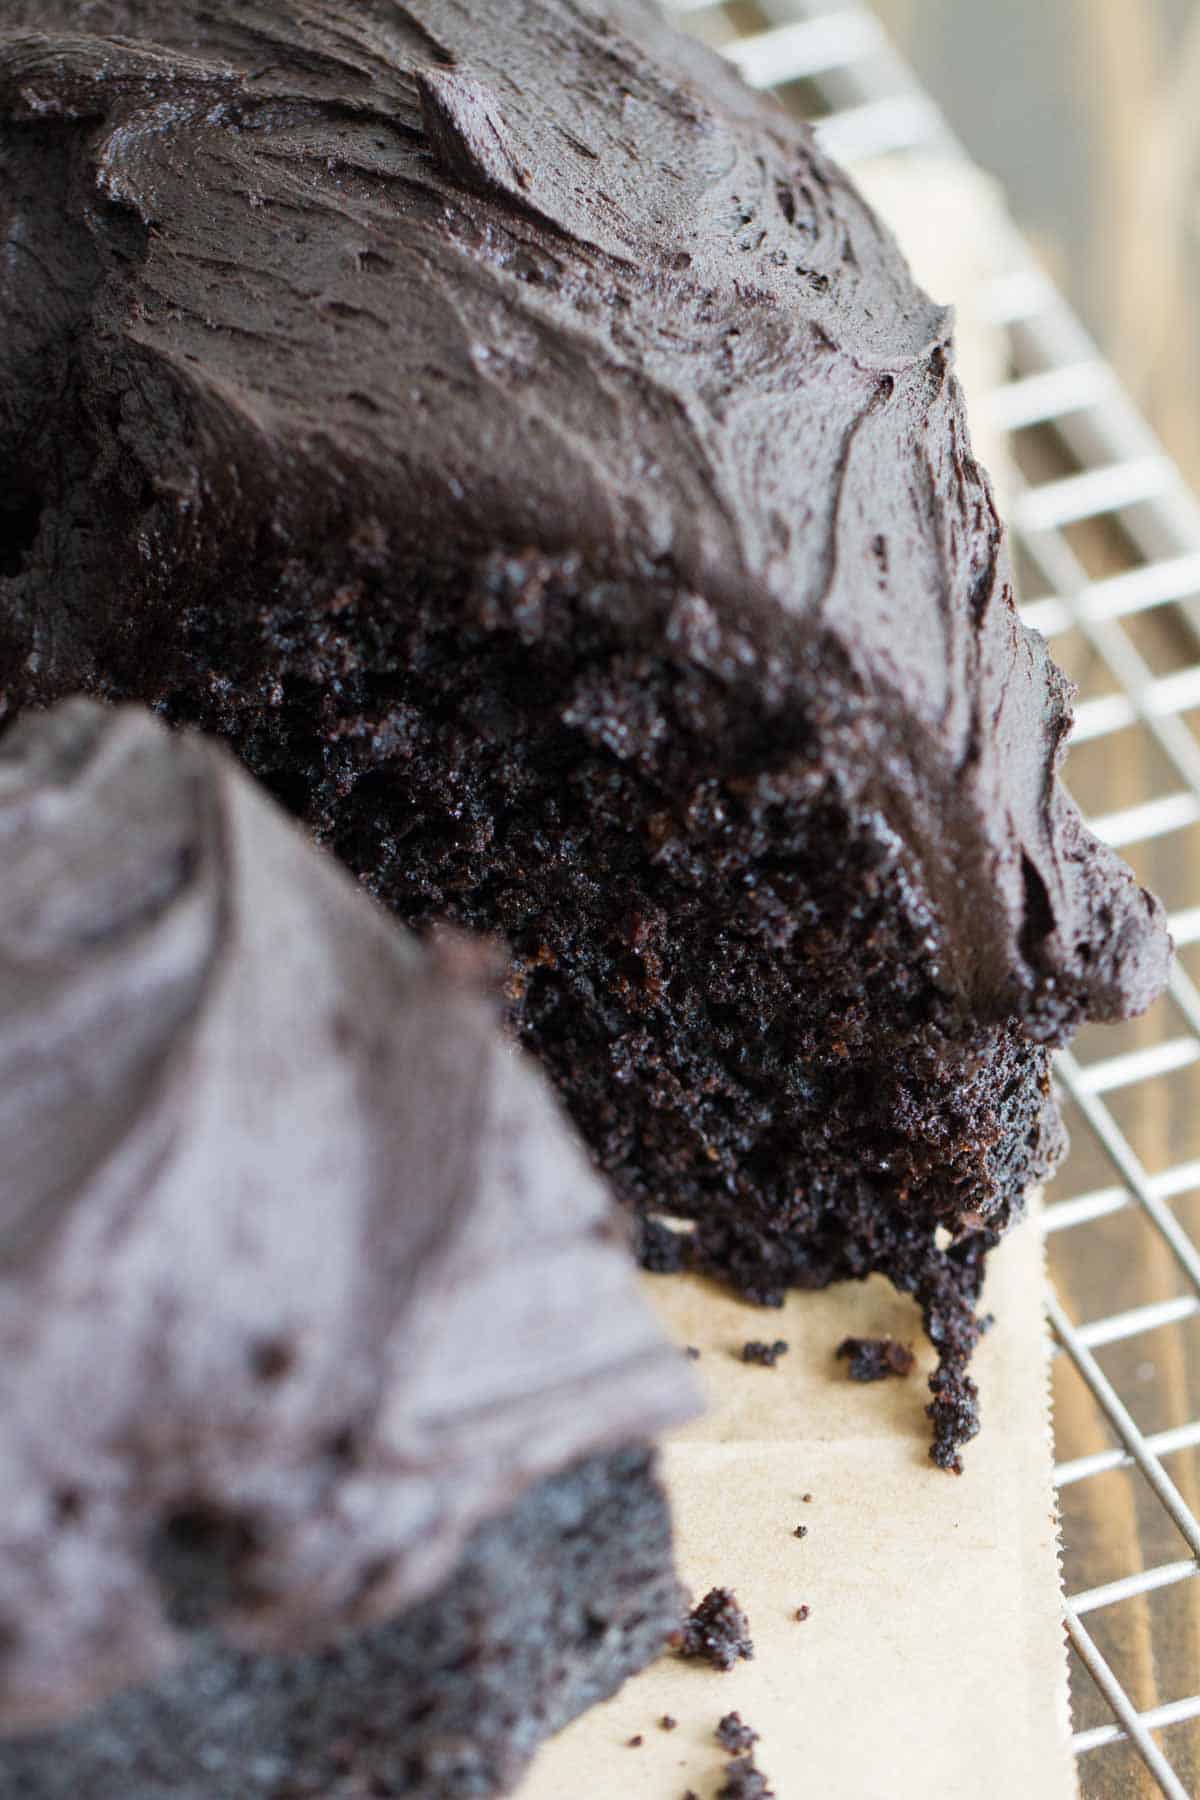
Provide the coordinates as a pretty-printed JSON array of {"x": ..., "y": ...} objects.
[
  {"x": 546, "y": 275},
  {"x": 292, "y": 1242}
]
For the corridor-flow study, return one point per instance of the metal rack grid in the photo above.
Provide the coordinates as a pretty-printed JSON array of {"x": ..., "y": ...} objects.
[{"x": 837, "y": 65}]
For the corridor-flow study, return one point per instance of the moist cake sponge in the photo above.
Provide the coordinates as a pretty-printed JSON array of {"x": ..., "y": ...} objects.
[{"x": 526, "y": 448}]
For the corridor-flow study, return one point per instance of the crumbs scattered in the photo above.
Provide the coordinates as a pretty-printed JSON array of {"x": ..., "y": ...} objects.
[
  {"x": 801, "y": 1531},
  {"x": 692, "y": 1354},
  {"x": 806, "y": 1499},
  {"x": 717, "y": 1630},
  {"x": 667, "y": 1723},
  {"x": 873, "y": 1359},
  {"x": 734, "y": 1735},
  {"x": 802, "y": 1613},
  {"x": 743, "y": 1781},
  {"x": 634, "y": 1743},
  {"x": 766, "y": 1355}
]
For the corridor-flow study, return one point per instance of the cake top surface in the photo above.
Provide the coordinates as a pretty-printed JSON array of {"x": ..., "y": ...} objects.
[
  {"x": 301, "y": 1271},
  {"x": 540, "y": 273}
]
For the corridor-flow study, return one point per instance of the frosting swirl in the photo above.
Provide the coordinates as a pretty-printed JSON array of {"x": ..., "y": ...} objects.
[
  {"x": 546, "y": 277},
  {"x": 294, "y": 1249}
]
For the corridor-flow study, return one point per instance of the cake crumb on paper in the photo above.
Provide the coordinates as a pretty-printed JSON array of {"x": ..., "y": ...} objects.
[
  {"x": 717, "y": 1630},
  {"x": 744, "y": 1781},
  {"x": 874, "y": 1359},
  {"x": 734, "y": 1735}
]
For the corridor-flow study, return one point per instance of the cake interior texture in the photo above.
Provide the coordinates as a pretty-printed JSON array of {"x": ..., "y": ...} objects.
[
  {"x": 550, "y": 1608},
  {"x": 528, "y": 451},
  {"x": 730, "y": 971}
]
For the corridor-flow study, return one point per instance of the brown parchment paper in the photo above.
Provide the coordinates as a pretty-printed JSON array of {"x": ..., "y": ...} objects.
[{"x": 932, "y": 1661}]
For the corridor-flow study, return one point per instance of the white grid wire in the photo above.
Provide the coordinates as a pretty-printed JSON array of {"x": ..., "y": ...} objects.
[{"x": 875, "y": 105}]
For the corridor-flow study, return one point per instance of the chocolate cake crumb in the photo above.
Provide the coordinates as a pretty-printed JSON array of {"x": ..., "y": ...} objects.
[
  {"x": 801, "y": 1531},
  {"x": 734, "y": 1735},
  {"x": 661, "y": 1250},
  {"x": 717, "y": 1630},
  {"x": 635, "y": 1743},
  {"x": 873, "y": 1359},
  {"x": 667, "y": 1723},
  {"x": 802, "y": 1613},
  {"x": 955, "y": 1329},
  {"x": 743, "y": 1781},
  {"x": 692, "y": 1354},
  {"x": 766, "y": 1355},
  {"x": 806, "y": 1499},
  {"x": 954, "y": 1410}
]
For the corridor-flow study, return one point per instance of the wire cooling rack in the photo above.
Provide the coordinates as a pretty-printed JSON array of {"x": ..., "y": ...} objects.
[{"x": 1107, "y": 541}]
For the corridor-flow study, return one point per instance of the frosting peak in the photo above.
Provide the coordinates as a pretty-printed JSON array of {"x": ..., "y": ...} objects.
[{"x": 295, "y": 1251}]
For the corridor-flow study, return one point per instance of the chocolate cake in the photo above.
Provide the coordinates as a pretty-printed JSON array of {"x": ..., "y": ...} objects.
[
  {"x": 326, "y": 1394},
  {"x": 526, "y": 448}
]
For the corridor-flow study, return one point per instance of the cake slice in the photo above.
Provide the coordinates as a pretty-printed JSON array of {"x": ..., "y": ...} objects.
[
  {"x": 524, "y": 446},
  {"x": 326, "y": 1395}
]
